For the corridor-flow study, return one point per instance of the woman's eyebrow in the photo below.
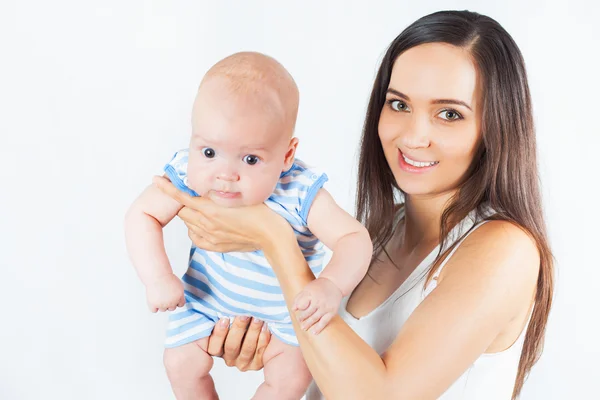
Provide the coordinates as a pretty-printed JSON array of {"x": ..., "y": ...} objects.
[
  {"x": 437, "y": 101},
  {"x": 397, "y": 93},
  {"x": 451, "y": 101}
]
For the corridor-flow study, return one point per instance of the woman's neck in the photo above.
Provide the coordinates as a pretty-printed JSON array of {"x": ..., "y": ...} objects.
[{"x": 422, "y": 216}]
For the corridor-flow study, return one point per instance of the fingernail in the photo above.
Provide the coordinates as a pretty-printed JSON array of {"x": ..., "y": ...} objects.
[
  {"x": 264, "y": 327},
  {"x": 314, "y": 332},
  {"x": 255, "y": 320},
  {"x": 244, "y": 318},
  {"x": 224, "y": 321}
]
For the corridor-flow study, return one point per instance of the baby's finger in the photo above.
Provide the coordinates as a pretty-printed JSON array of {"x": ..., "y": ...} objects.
[
  {"x": 172, "y": 308},
  {"x": 303, "y": 315},
  {"x": 302, "y": 302},
  {"x": 323, "y": 322},
  {"x": 181, "y": 302},
  {"x": 313, "y": 319}
]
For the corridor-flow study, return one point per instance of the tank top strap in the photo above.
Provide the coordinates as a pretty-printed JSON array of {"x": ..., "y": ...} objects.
[
  {"x": 443, "y": 264},
  {"x": 458, "y": 231}
]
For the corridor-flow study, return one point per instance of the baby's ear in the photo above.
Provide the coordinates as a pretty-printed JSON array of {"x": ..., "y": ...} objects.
[{"x": 290, "y": 154}]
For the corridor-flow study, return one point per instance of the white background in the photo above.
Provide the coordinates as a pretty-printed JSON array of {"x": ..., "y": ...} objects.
[{"x": 96, "y": 96}]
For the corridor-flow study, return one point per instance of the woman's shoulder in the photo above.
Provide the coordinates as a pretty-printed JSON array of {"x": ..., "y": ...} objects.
[
  {"x": 499, "y": 255},
  {"x": 505, "y": 239}
]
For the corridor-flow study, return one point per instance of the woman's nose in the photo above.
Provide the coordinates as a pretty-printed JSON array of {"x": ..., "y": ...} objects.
[{"x": 417, "y": 133}]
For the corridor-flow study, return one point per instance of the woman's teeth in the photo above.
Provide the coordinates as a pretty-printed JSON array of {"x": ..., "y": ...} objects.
[{"x": 419, "y": 163}]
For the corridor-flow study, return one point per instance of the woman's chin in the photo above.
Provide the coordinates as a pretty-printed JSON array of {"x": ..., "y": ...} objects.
[{"x": 415, "y": 189}]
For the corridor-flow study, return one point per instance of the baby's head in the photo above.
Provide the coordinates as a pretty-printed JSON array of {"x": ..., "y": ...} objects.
[{"x": 242, "y": 126}]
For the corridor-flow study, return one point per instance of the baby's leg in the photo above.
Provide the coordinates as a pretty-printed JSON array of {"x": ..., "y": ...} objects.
[
  {"x": 286, "y": 374},
  {"x": 188, "y": 369}
]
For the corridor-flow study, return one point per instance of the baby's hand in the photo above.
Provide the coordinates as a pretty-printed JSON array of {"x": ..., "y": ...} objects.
[
  {"x": 165, "y": 293},
  {"x": 317, "y": 304}
]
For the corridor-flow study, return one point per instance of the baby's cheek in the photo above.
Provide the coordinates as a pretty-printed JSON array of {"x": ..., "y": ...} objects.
[
  {"x": 258, "y": 190},
  {"x": 198, "y": 182}
]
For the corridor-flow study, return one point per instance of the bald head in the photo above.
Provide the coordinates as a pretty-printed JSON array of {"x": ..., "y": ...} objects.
[{"x": 259, "y": 80}]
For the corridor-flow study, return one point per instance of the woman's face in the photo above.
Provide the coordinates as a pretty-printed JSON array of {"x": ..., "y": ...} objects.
[{"x": 430, "y": 124}]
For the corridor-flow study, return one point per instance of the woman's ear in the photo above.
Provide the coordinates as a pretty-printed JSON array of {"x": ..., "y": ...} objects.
[{"x": 290, "y": 154}]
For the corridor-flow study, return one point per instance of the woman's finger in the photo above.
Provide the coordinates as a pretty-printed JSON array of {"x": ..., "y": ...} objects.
[
  {"x": 233, "y": 341},
  {"x": 195, "y": 231},
  {"x": 190, "y": 217},
  {"x": 194, "y": 217},
  {"x": 249, "y": 345},
  {"x": 202, "y": 226},
  {"x": 204, "y": 243},
  {"x": 263, "y": 341},
  {"x": 201, "y": 241},
  {"x": 213, "y": 245},
  {"x": 216, "y": 340},
  {"x": 167, "y": 187}
]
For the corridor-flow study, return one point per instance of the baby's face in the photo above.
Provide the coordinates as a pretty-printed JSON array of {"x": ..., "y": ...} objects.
[{"x": 237, "y": 150}]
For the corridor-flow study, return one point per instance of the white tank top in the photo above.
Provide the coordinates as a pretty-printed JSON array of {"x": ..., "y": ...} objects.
[{"x": 490, "y": 377}]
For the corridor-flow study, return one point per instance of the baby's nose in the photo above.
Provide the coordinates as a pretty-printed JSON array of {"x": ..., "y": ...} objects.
[{"x": 229, "y": 176}]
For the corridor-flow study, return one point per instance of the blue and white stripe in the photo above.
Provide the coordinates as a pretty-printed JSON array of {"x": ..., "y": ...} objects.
[{"x": 230, "y": 284}]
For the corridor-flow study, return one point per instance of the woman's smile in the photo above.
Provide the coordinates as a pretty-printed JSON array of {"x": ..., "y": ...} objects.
[{"x": 411, "y": 165}]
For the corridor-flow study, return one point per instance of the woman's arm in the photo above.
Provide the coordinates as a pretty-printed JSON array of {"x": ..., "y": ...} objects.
[
  {"x": 342, "y": 364},
  {"x": 488, "y": 283}
]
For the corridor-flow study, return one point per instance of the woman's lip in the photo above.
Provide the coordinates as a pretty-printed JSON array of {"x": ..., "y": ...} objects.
[
  {"x": 414, "y": 159},
  {"x": 410, "y": 168}
]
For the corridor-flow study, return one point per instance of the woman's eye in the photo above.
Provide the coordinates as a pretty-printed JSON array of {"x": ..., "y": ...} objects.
[
  {"x": 450, "y": 115},
  {"x": 251, "y": 159},
  {"x": 208, "y": 152},
  {"x": 398, "y": 105}
]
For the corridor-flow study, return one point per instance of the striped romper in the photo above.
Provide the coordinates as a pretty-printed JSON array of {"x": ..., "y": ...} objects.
[{"x": 229, "y": 284}]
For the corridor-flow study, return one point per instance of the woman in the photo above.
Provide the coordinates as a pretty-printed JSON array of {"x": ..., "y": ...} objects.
[{"x": 457, "y": 297}]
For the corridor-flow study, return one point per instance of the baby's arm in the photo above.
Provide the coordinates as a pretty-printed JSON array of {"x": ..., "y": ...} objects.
[
  {"x": 144, "y": 221},
  {"x": 352, "y": 250}
]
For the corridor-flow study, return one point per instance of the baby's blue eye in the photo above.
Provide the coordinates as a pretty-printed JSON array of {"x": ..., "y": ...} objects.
[
  {"x": 208, "y": 152},
  {"x": 251, "y": 159}
]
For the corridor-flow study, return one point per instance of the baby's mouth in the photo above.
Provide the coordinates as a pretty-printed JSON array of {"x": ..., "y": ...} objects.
[{"x": 226, "y": 194}]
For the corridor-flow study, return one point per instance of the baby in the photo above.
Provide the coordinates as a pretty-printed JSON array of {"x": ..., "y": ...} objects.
[{"x": 242, "y": 152}]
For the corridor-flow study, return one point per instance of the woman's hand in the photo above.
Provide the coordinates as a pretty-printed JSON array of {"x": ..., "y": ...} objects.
[
  {"x": 242, "y": 345},
  {"x": 215, "y": 228}
]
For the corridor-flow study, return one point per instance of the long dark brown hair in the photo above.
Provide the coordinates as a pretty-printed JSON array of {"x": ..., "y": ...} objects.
[{"x": 508, "y": 183}]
